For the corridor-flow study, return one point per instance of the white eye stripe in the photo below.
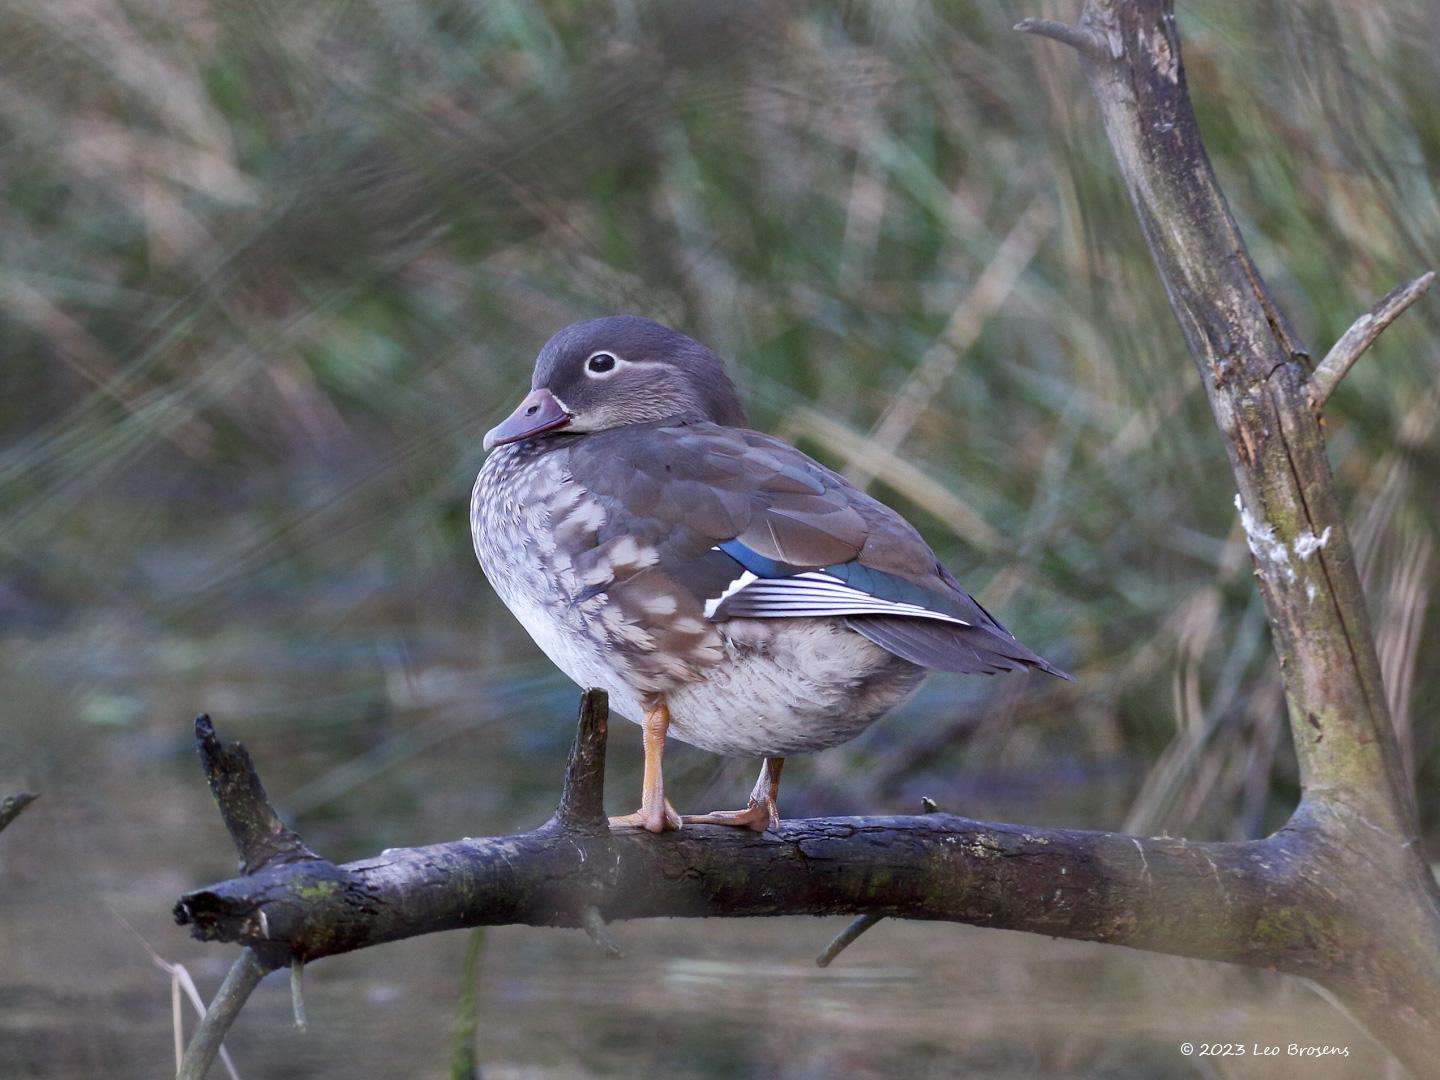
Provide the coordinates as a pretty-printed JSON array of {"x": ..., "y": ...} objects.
[{"x": 602, "y": 363}]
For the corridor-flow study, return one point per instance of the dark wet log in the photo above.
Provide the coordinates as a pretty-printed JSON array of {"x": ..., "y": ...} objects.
[{"x": 1216, "y": 901}]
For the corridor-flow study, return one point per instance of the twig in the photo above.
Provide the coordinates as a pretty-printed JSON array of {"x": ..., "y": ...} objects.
[
  {"x": 582, "y": 801},
  {"x": 260, "y": 837},
  {"x": 844, "y": 939},
  {"x": 244, "y": 976},
  {"x": 180, "y": 977},
  {"x": 177, "y": 1014},
  {"x": 182, "y": 986},
  {"x": 13, "y": 807},
  {"x": 1076, "y": 37},
  {"x": 463, "y": 1064},
  {"x": 297, "y": 994},
  {"x": 594, "y": 924},
  {"x": 1361, "y": 335}
]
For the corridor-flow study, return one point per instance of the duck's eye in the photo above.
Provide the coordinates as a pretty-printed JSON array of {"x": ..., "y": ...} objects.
[{"x": 600, "y": 363}]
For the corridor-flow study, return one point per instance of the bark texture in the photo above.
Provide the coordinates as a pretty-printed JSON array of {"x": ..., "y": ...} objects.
[{"x": 1341, "y": 895}]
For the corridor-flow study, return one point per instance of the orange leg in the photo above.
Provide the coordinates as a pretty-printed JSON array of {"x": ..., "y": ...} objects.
[
  {"x": 762, "y": 813},
  {"x": 655, "y": 813}
]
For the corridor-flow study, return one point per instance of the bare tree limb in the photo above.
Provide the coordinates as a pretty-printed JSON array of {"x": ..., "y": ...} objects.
[
  {"x": 1077, "y": 37},
  {"x": 848, "y": 936},
  {"x": 1361, "y": 335},
  {"x": 260, "y": 837},
  {"x": 1269, "y": 902},
  {"x": 1355, "y": 789},
  {"x": 245, "y": 974},
  {"x": 13, "y": 806},
  {"x": 1153, "y": 893}
]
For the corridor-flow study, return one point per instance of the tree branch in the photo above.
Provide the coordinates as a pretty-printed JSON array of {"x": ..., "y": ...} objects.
[
  {"x": 260, "y": 837},
  {"x": 245, "y": 974},
  {"x": 1204, "y": 900},
  {"x": 1210, "y": 900},
  {"x": 1361, "y": 335},
  {"x": 1077, "y": 37},
  {"x": 1355, "y": 789},
  {"x": 13, "y": 807}
]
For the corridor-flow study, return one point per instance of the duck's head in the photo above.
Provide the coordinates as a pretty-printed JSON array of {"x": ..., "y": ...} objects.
[{"x": 605, "y": 373}]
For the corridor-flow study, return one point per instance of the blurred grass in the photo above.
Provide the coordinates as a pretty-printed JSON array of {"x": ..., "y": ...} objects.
[{"x": 269, "y": 270}]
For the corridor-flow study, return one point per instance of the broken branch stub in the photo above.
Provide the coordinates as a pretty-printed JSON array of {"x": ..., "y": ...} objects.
[
  {"x": 13, "y": 806},
  {"x": 582, "y": 799},
  {"x": 260, "y": 837},
  {"x": 1363, "y": 333}
]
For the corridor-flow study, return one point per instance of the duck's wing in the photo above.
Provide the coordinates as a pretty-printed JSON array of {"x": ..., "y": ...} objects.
[{"x": 753, "y": 528}]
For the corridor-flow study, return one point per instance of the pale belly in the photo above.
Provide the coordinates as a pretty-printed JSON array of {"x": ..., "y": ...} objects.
[
  {"x": 790, "y": 686},
  {"x": 783, "y": 686},
  {"x": 744, "y": 687}
]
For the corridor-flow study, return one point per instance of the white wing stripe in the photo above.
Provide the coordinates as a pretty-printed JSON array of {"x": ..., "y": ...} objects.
[
  {"x": 730, "y": 590},
  {"x": 812, "y": 594}
]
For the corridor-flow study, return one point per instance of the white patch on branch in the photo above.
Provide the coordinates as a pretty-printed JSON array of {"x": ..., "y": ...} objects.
[
  {"x": 1269, "y": 552},
  {"x": 1307, "y": 543}
]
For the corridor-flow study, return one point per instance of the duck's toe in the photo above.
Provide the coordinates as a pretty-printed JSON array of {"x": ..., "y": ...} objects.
[
  {"x": 657, "y": 818},
  {"x": 760, "y": 815}
]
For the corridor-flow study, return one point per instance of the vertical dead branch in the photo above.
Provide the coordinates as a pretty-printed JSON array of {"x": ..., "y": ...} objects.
[
  {"x": 1251, "y": 364},
  {"x": 1358, "y": 803}
]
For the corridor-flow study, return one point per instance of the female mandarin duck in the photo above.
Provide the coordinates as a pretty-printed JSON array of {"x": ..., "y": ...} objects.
[{"x": 720, "y": 585}]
